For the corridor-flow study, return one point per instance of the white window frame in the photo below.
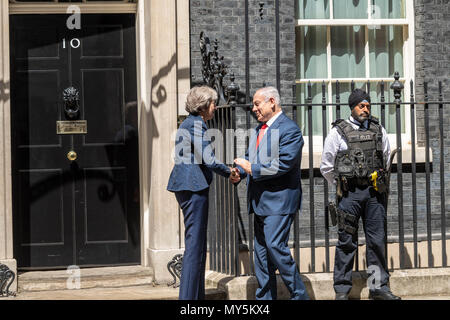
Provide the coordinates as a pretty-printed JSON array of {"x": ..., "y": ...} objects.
[{"x": 408, "y": 64}]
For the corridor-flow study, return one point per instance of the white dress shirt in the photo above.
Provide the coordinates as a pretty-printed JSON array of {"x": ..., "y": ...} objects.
[
  {"x": 272, "y": 120},
  {"x": 335, "y": 143}
]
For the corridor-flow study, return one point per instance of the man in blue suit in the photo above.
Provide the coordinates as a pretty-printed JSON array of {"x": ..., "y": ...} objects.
[{"x": 272, "y": 168}]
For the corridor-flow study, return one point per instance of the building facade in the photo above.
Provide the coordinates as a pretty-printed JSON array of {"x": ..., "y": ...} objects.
[
  {"x": 323, "y": 42},
  {"x": 90, "y": 93}
]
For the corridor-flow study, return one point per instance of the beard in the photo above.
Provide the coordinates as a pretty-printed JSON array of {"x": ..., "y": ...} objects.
[{"x": 362, "y": 117}]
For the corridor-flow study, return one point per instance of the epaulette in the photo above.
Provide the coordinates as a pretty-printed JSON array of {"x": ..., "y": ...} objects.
[
  {"x": 335, "y": 123},
  {"x": 374, "y": 120}
]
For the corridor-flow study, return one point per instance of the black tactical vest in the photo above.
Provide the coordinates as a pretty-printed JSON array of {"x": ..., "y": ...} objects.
[{"x": 365, "y": 150}]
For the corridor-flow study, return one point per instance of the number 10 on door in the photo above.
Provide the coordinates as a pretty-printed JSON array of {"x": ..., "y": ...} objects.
[{"x": 74, "y": 43}]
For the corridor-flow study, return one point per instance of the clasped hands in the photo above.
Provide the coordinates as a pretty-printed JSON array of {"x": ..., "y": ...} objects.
[{"x": 235, "y": 176}]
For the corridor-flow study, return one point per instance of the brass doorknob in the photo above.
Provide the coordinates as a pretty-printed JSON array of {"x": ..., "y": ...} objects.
[{"x": 72, "y": 156}]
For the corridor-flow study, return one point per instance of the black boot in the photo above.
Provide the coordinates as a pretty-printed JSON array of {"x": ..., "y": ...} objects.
[{"x": 382, "y": 295}]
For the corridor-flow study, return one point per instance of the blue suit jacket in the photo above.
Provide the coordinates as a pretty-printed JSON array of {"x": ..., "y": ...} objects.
[
  {"x": 274, "y": 188},
  {"x": 194, "y": 158}
]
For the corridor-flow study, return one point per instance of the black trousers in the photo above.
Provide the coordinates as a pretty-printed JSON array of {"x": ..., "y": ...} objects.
[{"x": 369, "y": 205}]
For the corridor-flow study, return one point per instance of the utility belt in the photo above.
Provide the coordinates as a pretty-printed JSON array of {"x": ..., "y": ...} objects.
[
  {"x": 358, "y": 182},
  {"x": 377, "y": 180}
]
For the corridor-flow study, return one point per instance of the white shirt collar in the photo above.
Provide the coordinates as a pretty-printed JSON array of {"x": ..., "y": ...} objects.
[
  {"x": 356, "y": 122},
  {"x": 272, "y": 120}
]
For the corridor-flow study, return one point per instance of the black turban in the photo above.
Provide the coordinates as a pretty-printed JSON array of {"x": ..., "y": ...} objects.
[{"x": 356, "y": 97}]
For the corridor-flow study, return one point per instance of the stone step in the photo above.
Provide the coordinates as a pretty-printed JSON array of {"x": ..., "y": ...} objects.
[
  {"x": 425, "y": 283},
  {"x": 108, "y": 277},
  {"x": 215, "y": 294}
]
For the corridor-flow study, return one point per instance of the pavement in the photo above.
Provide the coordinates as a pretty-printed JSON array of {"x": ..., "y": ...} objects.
[
  {"x": 136, "y": 283},
  {"x": 143, "y": 292}
]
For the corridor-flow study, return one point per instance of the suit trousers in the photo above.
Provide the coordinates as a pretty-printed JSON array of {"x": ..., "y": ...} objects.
[
  {"x": 271, "y": 253},
  {"x": 368, "y": 204},
  {"x": 195, "y": 212}
]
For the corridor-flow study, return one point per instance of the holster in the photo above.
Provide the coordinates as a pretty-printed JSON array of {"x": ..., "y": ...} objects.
[
  {"x": 346, "y": 222},
  {"x": 332, "y": 206},
  {"x": 382, "y": 182},
  {"x": 333, "y": 213},
  {"x": 342, "y": 219}
]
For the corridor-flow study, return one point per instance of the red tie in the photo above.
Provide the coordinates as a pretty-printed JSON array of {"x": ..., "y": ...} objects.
[{"x": 261, "y": 134}]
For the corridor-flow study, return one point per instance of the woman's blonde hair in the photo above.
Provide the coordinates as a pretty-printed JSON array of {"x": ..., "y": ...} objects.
[{"x": 199, "y": 99}]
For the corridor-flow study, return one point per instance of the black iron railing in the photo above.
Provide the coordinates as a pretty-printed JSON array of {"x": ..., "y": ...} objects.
[
  {"x": 7, "y": 277},
  {"x": 230, "y": 233}
]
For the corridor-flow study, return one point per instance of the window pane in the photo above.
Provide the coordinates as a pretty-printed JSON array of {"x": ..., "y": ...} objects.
[
  {"x": 386, "y": 51},
  {"x": 350, "y": 9},
  {"x": 302, "y": 111},
  {"x": 388, "y": 9},
  {"x": 347, "y": 52},
  {"x": 389, "y": 110},
  {"x": 312, "y": 52},
  {"x": 313, "y": 9}
]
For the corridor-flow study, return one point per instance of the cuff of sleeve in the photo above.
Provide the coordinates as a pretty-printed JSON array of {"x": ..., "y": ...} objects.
[
  {"x": 242, "y": 173},
  {"x": 256, "y": 171}
]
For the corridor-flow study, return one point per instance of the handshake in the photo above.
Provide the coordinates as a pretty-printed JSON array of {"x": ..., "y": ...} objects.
[{"x": 235, "y": 175}]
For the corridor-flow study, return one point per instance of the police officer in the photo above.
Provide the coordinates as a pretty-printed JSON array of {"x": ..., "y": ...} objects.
[{"x": 355, "y": 157}]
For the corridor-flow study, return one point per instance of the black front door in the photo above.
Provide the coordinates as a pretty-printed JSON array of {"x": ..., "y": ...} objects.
[{"x": 75, "y": 196}]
